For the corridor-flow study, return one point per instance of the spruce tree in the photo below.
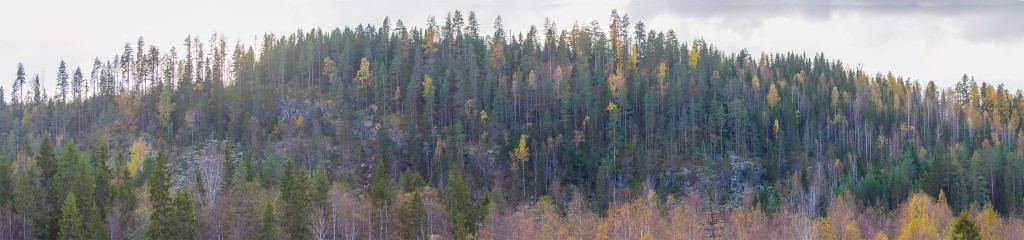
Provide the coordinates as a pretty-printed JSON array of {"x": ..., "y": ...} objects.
[
  {"x": 964, "y": 228},
  {"x": 184, "y": 225},
  {"x": 70, "y": 220},
  {"x": 266, "y": 230},
  {"x": 297, "y": 205},
  {"x": 321, "y": 187},
  {"x": 412, "y": 215},
  {"x": 159, "y": 197}
]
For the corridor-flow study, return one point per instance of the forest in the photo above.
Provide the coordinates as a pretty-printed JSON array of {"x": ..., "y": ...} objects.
[{"x": 599, "y": 130}]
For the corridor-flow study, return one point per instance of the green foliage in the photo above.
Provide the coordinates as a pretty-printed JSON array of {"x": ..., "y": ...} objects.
[
  {"x": 964, "y": 228},
  {"x": 412, "y": 215},
  {"x": 411, "y": 181},
  {"x": 295, "y": 193},
  {"x": 162, "y": 217},
  {"x": 601, "y": 112},
  {"x": 70, "y": 221},
  {"x": 268, "y": 227},
  {"x": 321, "y": 187},
  {"x": 184, "y": 224},
  {"x": 6, "y": 187},
  {"x": 381, "y": 187}
]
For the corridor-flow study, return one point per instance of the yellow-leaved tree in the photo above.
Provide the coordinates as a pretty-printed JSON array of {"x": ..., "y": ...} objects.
[
  {"x": 364, "y": 74},
  {"x": 991, "y": 223},
  {"x": 662, "y": 87},
  {"x": 139, "y": 151},
  {"x": 773, "y": 96},
  {"x": 917, "y": 219},
  {"x": 521, "y": 153}
]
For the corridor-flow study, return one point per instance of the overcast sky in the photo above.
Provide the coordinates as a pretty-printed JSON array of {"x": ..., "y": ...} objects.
[{"x": 921, "y": 39}]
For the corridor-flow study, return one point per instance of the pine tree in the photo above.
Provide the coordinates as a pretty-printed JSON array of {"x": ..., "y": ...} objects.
[
  {"x": 70, "y": 220},
  {"x": 18, "y": 88}
]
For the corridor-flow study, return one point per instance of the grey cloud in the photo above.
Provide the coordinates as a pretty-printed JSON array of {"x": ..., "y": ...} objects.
[{"x": 985, "y": 20}]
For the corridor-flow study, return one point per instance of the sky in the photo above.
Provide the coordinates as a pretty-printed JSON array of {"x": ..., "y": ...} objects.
[{"x": 926, "y": 40}]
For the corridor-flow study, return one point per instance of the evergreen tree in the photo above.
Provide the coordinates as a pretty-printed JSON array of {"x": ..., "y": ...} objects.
[
  {"x": 6, "y": 182},
  {"x": 162, "y": 218},
  {"x": 62, "y": 83},
  {"x": 413, "y": 217},
  {"x": 266, "y": 230},
  {"x": 18, "y": 88},
  {"x": 70, "y": 220},
  {"x": 964, "y": 228},
  {"x": 297, "y": 205},
  {"x": 321, "y": 187},
  {"x": 184, "y": 224},
  {"x": 457, "y": 199}
]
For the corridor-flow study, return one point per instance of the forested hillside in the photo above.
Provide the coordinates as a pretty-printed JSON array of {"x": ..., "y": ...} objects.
[{"x": 591, "y": 131}]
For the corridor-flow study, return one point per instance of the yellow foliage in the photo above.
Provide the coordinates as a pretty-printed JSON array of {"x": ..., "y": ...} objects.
[
  {"x": 328, "y": 69},
  {"x": 662, "y": 87},
  {"x": 300, "y": 122},
  {"x": 775, "y": 127},
  {"x": 532, "y": 80},
  {"x": 851, "y": 231},
  {"x": 428, "y": 40},
  {"x": 773, "y": 96},
  {"x": 615, "y": 80},
  {"x": 428, "y": 86},
  {"x": 497, "y": 52},
  {"x": 990, "y": 223},
  {"x": 755, "y": 83},
  {"x": 612, "y": 106},
  {"x": 694, "y": 54},
  {"x": 918, "y": 219},
  {"x": 942, "y": 197},
  {"x": 483, "y": 116},
  {"x": 521, "y": 153},
  {"x": 139, "y": 151},
  {"x": 826, "y": 229},
  {"x": 880, "y": 236},
  {"x": 364, "y": 74},
  {"x": 602, "y": 231}
]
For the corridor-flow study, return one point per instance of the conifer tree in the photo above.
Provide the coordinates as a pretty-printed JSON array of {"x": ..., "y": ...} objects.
[
  {"x": 183, "y": 224},
  {"x": 161, "y": 219},
  {"x": 266, "y": 230},
  {"x": 70, "y": 220}
]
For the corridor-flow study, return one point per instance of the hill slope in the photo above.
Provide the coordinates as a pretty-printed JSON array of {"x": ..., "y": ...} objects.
[{"x": 364, "y": 116}]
